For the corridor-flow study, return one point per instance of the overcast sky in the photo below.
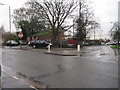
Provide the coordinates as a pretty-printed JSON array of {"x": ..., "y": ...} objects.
[{"x": 106, "y": 11}]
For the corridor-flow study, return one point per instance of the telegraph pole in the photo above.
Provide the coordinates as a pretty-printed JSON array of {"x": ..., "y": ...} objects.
[
  {"x": 94, "y": 30},
  {"x": 80, "y": 19},
  {"x": 73, "y": 28},
  {"x": 78, "y": 46}
]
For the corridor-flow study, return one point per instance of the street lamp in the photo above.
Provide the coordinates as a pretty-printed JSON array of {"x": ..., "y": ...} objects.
[{"x": 9, "y": 17}]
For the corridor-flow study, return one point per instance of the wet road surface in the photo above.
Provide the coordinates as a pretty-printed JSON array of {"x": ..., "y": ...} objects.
[{"x": 96, "y": 67}]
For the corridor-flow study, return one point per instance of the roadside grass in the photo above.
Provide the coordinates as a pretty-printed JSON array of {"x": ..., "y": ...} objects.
[{"x": 115, "y": 47}]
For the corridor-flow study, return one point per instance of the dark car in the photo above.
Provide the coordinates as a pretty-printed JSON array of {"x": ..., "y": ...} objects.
[
  {"x": 11, "y": 43},
  {"x": 22, "y": 42},
  {"x": 38, "y": 43}
]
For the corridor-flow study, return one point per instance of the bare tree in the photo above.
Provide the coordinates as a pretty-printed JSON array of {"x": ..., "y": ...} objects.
[
  {"x": 51, "y": 13},
  {"x": 115, "y": 31},
  {"x": 56, "y": 12}
]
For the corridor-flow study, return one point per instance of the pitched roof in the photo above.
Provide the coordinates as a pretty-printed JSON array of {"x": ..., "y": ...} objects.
[{"x": 42, "y": 34}]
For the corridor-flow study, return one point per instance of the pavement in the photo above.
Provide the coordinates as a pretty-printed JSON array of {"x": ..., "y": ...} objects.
[
  {"x": 63, "y": 52},
  {"x": 53, "y": 51},
  {"x": 56, "y": 51}
]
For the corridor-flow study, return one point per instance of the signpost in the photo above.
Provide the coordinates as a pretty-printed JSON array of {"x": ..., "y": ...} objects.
[{"x": 20, "y": 35}]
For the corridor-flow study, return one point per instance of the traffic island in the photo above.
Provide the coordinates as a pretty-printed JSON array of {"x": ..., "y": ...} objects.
[{"x": 63, "y": 53}]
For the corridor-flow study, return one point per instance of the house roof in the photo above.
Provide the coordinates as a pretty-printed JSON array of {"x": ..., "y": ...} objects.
[{"x": 42, "y": 34}]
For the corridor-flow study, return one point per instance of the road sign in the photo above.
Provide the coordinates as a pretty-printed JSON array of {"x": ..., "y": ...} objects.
[{"x": 20, "y": 35}]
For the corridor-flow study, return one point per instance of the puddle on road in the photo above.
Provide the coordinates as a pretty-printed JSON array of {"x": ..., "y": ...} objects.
[
  {"x": 103, "y": 53},
  {"x": 61, "y": 68}
]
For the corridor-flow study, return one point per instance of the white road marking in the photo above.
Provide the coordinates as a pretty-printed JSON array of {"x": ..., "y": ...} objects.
[
  {"x": 3, "y": 70},
  {"x": 31, "y": 86},
  {"x": 15, "y": 77}
]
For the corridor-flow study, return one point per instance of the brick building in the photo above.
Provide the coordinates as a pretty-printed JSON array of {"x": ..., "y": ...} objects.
[{"x": 46, "y": 36}]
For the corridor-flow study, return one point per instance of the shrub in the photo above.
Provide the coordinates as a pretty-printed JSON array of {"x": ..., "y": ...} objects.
[{"x": 9, "y": 36}]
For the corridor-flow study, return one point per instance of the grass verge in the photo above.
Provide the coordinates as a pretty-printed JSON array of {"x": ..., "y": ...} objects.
[{"x": 115, "y": 47}]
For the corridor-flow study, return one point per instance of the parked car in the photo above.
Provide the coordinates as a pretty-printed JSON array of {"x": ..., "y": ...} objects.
[
  {"x": 38, "y": 43},
  {"x": 22, "y": 42},
  {"x": 66, "y": 43},
  {"x": 108, "y": 43},
  {"x": 113, "y": 43},
  {"x": 11, "y": 43}
]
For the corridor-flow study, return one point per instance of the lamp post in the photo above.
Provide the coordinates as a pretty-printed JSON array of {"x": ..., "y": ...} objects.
[
  {"x": 73, "y": 27},
  {"x": 9, "y": 18}
]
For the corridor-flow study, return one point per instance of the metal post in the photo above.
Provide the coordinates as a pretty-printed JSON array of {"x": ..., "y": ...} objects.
[
  {"x": 10, "y": 22},
  {"x": 94, "y": 34},
  {"x": 61, "y": 41},
  {"x": 101, "y": 41},
  {"x": 20, "y": 44},
  {"x": 73, "y": 27},
  {"x": 10, "y": 19},
  {"x": 118, "y": 35},
  {"x": 94, "y": 30},
  {"x": 78, "y": 46},
  {"x": 49, "y": 48}
]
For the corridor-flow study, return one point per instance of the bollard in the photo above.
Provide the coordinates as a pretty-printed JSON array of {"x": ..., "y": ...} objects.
[
  {"x": 49, "y": 49},
  {"x": 78, "y": 48}
]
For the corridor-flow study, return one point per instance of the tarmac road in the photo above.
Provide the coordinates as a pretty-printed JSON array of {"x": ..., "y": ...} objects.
[{"x": 96, "y": 67}]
